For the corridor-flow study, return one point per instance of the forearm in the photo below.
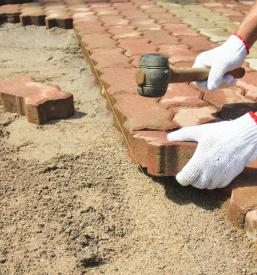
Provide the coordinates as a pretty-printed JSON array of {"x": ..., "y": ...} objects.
[{"x": 248, "y": 28}]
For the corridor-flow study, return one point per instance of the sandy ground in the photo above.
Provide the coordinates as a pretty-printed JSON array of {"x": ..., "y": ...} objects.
[{"x": 71, "y": 202}]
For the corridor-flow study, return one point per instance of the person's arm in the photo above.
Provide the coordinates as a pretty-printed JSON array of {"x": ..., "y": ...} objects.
[
  {"x": 248, "y": 28},
  {"x": 230, "y": 55}
]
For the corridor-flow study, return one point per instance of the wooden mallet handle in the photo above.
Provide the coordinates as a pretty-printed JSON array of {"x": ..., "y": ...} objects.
[{"x": 178, "y": 75}]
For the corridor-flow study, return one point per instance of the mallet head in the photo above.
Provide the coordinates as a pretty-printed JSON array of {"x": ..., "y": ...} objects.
[{"x": 152, "y": 76}]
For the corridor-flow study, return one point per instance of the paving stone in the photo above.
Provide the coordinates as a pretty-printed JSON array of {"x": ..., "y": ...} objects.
[
  {"x": 227, "y": 12},
  {"x": 39, "y": 102},
  {"x": 136, "y": 46},
  {"x": 101, "y": 4},
  {"x": 250, "y": 89},
  {"x": 86, "y": 17},
  {"x": 118, "y": 80},
  {"x": 142, "y": 113},
  {"x": 10, "y": 13},
  {"x": 236, "y": 18},
  {"x": 86, "y": 28},
  {"x": 137, "y": 14},
  {"x": 243, "y": 200},
  {"x": 215, "y": 34},
  {"x": 189, "y": 116},
  {"x": 120, "y": 32},
  {"x": 59, "y": 19},
  {"x": 34, "y": 15},
  {"x": 147, "y": 24},
  {"x": 179, "y": 29},
  {"x": 251, "y": 225},
  {"x": 198, "y": 44},
  {"x": 152, "y": 150},
  {"x": 114, "y": 20},
  {"x": 181, "y": 94},
  {"x": 106, "y": 11},
  {"x": 198, "y": 22},
  {"x": 224, "y": 96},
  {"x": 177, "y": 53},
  {"x": 98, "y": 41},
  {"x": 105, "y": 58},
  {"x": 165, "y": 18},
  {"x": 125, "y": 6},
  {"x": 160, "y": 37}
]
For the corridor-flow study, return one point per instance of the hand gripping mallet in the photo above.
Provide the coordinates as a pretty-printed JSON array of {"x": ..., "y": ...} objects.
[{"x": 154, "y": 74}]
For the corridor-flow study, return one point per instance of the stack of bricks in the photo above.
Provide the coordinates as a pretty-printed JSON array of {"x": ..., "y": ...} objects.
[{"x": 114, "y": 34}]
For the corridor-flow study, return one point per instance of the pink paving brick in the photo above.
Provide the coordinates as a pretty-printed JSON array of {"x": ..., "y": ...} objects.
[
  {"x": 177, "y": 53},
  {"x": 120, "y": 32},
  {"x": 152, "y": 150},
  {"x": 190, "y": 116},
  {"x": 250, "y": 89},
  {"x": 181, "y": 94},
  {"x": 179, "y": 29},
  {"x": 98, "y": 41},
  {"x": 114, "y": 20},
  {"x": 105, "y": 11},
  {"x": 139, "y": 113},
  {"x": 146, "y": 24},
  {"x": 165, "y": 18},
  {"x": 132, "y": 15},
  {"x": 39, "y": 102},
  {"x": 118, "y": 80},
  {"x": 160, "y": 37},
  {"x": 10, "y": 13},
  {"x": 86, "y": 28},
  {"x": 243, "y": 200},
  {"x": 198, "y": 44},
  {"x": 105, "y": 58},
  {"x": 137, "y": 46}
]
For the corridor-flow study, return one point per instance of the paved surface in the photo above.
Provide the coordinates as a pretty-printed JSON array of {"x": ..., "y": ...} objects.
[{"x": 113, "y": 34}]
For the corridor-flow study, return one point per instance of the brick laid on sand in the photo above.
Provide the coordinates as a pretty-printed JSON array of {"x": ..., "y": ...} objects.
[{"x": 38, "y": 102}]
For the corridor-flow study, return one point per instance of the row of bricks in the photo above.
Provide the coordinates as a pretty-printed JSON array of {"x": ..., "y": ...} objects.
[
  {"x": 136, "y": 114},
  {"x": 107, "y": 51}
]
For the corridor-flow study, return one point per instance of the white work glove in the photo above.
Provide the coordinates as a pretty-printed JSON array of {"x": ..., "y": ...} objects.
[
  {"x": 229, "y": 56},
  {"x": 224, "y": 149}
]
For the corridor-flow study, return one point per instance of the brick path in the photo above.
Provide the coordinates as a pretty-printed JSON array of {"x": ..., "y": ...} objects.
[{"x": 113, "y": 34}]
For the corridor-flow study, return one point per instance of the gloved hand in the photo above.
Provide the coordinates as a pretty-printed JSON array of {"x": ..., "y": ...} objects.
[
  {"x": 224, "y": 149},
  {"x": 222, "y": 59}
]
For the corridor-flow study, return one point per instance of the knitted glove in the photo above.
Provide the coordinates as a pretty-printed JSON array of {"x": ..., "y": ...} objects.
[
  {"x": 224, "y": 149},
  {"x": 222, "y": 59}
]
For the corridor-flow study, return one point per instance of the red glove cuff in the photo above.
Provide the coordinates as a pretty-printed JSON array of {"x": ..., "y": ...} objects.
[
  {"x": 254, "y": 116},
  {"x": 247, "y": 47}
]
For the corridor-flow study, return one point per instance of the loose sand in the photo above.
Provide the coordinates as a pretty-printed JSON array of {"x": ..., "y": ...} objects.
[{"x": 72, "y": 202}]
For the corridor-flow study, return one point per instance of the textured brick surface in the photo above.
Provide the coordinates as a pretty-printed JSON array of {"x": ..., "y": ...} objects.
[
  {"x": 251, "y": 225},
  {"x": 243, "y": 200},
  {"x": 39, "y": 102}
]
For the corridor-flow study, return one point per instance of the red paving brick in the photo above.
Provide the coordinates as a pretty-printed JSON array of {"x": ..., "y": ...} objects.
[
  {"x": 137, "y": 46},
  {"x": 179, "y": 94},
  {"x": 38, "y": 102},
  {"x": 137, "y": 113},
  {"x": 243, "y": 200},
  {"x": 104, "y": 58},
  {"x": 118, "y": 80}
]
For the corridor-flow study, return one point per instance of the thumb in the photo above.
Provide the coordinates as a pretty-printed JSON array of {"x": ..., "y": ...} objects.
[
  {"x": 216, "y": 75},
  {"x": 190, "y": 174},
  {"x": 191, "y": 133}
]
